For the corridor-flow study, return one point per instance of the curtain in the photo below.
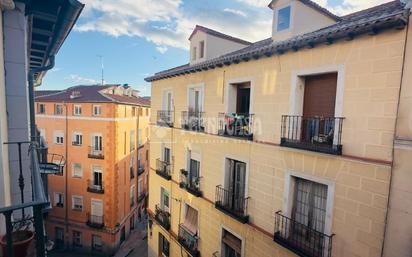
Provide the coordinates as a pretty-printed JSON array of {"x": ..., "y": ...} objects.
[{"x": 190, "y": 222}]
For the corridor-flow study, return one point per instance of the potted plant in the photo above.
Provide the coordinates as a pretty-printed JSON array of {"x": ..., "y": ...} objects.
[{"x": 22, "y": 237}]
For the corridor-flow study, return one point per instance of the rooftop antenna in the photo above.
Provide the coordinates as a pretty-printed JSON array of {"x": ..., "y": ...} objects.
[{"x": 102, "y": 67}]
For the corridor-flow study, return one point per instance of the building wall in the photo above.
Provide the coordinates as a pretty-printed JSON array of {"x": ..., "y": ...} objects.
[
  {"x": 369, "y": 69},
  {"x": 399, "y": 220},
  {"x": 115, "y": 120}
]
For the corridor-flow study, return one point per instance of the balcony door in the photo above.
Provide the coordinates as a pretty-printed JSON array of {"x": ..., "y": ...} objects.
[
  {"x": 231, "y": 245},
  {"x": 236, "y": 184},
  {"x": 309, "y": 209},
  {"x": 164, "y": 200},
  {"x": 97, "y": 177},
  {"x": 97, "y": 143},
  {"x": 195, "y": 100},
  {"x": 320, "y": 95},
  {"x": 97, "y": 210},
  {"x": 166, "y": 155},
  {"x": 167, "y": 100}
]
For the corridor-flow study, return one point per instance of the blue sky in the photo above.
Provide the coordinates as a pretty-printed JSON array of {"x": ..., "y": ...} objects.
[{"x": 140, "y": 37}]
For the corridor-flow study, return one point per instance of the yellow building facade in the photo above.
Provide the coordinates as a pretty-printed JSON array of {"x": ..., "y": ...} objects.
[{"x": 257, "y": 175}]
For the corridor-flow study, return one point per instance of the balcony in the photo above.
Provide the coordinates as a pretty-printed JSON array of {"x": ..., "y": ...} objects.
[
  {"x": 163, "y": 169},
  {"x": 24, "y": 221},
  {"x": 95, "y": 187},
  {"x": 193, "y": 121},
  {"x": 192, "y": 185},
  {"x": 95, "y": 221},
  {"x": 301, "y": 239},
  {"x": 235, "y": 125},
  {"x": 96, "y": 153},
  {"x": 188, "y": 241},
  {"x": 141, "y": 170},
  {"x": 162, "y": 217},
  {"x": 76, "y": 143},
  {"x": 165, "y": 118},
  {"x": 131, "y": 173},
  {"x": 318, "y": 134},
  {"x": 231, "y": 204}
]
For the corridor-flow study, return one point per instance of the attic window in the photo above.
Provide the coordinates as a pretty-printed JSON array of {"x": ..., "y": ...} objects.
[
  {"x": 283, "y": 19},
  {"x": 201, "y": 49}
]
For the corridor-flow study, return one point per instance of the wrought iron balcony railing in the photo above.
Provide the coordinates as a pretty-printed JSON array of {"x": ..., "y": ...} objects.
[
  {"x": 319, "y": 134},
  {"x": 93, "y": 187},
  {"x": 140, "y": 170},
  {"x": 191, "y": 184},
  {"x": 24, "y": 221},
  {"x": 163, "y": 169},
  {"x": 165, "y": 118},
  {"x": 193, "y": 121},
  {"x": 301, "y": 239},
  {"x": 232, "y": 204},
  {"x": 95, "y": 221},
  {"x": 162, "y": 217},
  {"x": 188, "y": 241},
  {"x": 96, "y": 153},
  {"x": 237, "y": 125}
]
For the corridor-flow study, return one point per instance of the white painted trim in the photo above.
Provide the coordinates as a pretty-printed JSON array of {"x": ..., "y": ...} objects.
[
  {"x": 163, "y": 91},
  {"x": 289, "y": 191},
  {"x": 237, "y": 81},
  {"x": 161, "y": 202},
  {"x": 92, "y": 118},
  {"x": 200, "y": 86},
  {"x": 223, "y": 227},
  {"x": 80, "y": 197}
]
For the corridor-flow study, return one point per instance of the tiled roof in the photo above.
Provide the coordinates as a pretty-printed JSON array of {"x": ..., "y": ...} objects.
[
  {"x": 89, "y": 93},
  {"x": 317, "y": 8},
  {"x": 218, "y": 34},
  {"x": 373, "y": 20},
  {"x": 45, "y": 92}
]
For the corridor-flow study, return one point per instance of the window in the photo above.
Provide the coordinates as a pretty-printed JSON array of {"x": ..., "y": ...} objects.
[
  {"x": 42, "y": 134},
  {"x": 140, "y": 187},
  {"x": 58, "y": 109},
  {"x": 163, "y": 246},
  {"x": 164, "y": 195},
  {"x": 133, "y": 140},
  {"x": 77, "y": 110},
  {"x": 166, "y": 155},
  {"x": 58, "y": 137},
  {"x": 97, "y": 244},
  {"x": 97, "y": 143},
  {"x": 77, "y": 239},
  {"x": 58, "y": 199},
  {"x": 231, "y": 245},
  {"x": 202, "y": 49},
  {"x": 97, "y": 177},
  {"x": 132, "y": 194},
  {"x": 97, "y": 110},
  {"x": 235, "y": 179},
  {"x": 77, "y": 171},
  {"x": 147, "y": 111},
  {"x": 77, "y": 139},
  {"x": 194, "y": 50},
  {"x": 133, "y": 111},
  {"x": 41, "y": 108},
  {"x": 283, "y": 18},
  {"x": 140, "y": 111},
  {"x": 59, "y": 237},
  {"x": 77, "y": 202},
  {"x": 191, "y": 220},
  {"x": 139, "y": 139}
]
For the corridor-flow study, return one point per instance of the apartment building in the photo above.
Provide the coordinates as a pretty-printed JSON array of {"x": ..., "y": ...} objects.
[
  {"x": 286, "y": 146},
  {"x": 31, "y": 34},
  {"x": 102, "y": 131}
]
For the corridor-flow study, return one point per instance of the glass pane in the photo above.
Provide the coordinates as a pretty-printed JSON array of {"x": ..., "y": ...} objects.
[{"x": 283, "y": 22}]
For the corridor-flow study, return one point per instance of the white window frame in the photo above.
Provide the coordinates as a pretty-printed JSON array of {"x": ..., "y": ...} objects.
[
  {"x": 77, "y": 110},
  {"x": 79, "y": 197},
  {"x": 229, "y": 86},
  {"x": 75, "y": 134},
  {"x": 97, "y": 107},
  {"x": 57, "y": 134},
  {"x": 165, "y": 91},
  {"x": 74, "y": 175},
  {"x": 222, "y": 227},
  {"x": 237, "y": 158},
  {"x": 289, "y": 188},
  {"x": 96, "y": 169},
  {"x": 276, "y": 15},
  {"x": 202, "y": 54},
  {"x": 38, "y": 108},
  {"x": 55, "y": 109},
  {"x": 56, "y": 197},
  {"x": 93, "y": 142},
  {"x": 297, "y": 91},
  {"x": 161, "y": 199},
  {"x": 201, "y": 88}
]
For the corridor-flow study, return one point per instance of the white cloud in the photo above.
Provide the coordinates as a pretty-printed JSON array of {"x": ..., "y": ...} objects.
[
  {"x": 161, "y": 49},
  {"x": 236, "y": 12},
  {"x": 350, "y": 6},
  {"x": 166, "y": 23},
  {"x": 256, "y": 3},
  {"x": 75, "y": 78}
]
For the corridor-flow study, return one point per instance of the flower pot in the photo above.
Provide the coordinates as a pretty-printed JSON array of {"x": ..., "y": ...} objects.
[{"x": 21, "y": 242}]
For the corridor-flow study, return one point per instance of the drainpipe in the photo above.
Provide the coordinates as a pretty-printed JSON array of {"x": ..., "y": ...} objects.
[{"x": 31, "y": 95}]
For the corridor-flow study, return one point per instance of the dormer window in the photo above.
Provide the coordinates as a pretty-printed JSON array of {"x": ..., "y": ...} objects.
[
  {"x": 202, "y": 49},
  {"x": 283, "y": 19},
  {"x": 194, "y": 53}
]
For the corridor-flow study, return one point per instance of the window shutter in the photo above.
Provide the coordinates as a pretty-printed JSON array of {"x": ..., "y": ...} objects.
[{"x": 191, "y": 220}]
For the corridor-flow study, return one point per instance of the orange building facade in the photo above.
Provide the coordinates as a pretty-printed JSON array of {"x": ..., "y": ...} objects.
[{"x": 101, "y": 192}]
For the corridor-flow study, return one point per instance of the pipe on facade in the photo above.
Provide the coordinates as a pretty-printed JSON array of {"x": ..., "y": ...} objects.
[{"x": 31, "y": 95}]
